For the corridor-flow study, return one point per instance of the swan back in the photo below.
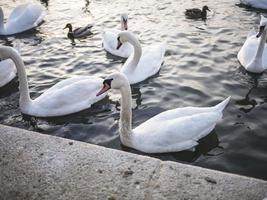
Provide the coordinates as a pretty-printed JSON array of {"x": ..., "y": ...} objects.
[
  {"x": 24, "y": 17},
  {"x": 177, "y": 129},
  {"x": 68, "y": 96},
  {"x": 174, "y": 135}
]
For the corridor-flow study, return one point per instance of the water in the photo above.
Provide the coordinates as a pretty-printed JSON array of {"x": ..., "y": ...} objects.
[{"x": 200, "y": 69}]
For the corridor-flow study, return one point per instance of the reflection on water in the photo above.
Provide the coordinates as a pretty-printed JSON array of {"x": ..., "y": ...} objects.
[{"x": 200, "y": 69}]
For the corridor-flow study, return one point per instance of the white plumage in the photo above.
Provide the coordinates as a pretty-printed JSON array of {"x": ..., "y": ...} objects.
[
  {"x": 110, "y": 40},
  {"x": 66, "y": 97},
  {"x": 170, "y": 131},
  {"x": 253, "y": 53},
  {"x": 143, "y": 63},
  {"x": 23, "y": 17}
]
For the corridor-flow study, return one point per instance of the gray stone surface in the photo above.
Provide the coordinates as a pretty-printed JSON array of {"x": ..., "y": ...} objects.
[{"x": 36, "y": 166}]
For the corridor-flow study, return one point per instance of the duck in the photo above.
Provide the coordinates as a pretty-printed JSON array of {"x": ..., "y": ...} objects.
[
  {"x": 196, "y": 13},
  {"x": 143, "y": 62},
  {"x": 22, "y": 18},
  {"x": 110, "y": 40},
  {"x": 253, "y": 53},
  {"x": 261, "y": 4},
  {"x": 78, "y": 32},
  {"x": 66, "y": 97},
  {"x": 170, "y": 131}
]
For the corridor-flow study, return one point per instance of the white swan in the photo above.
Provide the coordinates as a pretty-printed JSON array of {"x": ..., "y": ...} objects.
[
  {"x": 170, "y": 131},
  {"x": 142, "y": 64},
  {"x": 66, "y": 97},
  {"x": 255, "y": 3},
  {"x": 110, "y": 40},
  {"x": 22, "y": 18},
  {"x": 253, "y": 54}
]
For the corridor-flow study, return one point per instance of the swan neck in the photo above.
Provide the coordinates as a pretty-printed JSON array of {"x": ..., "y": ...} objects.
[
  {"x": 137, "y": 51},
  {"x": 126, "y": 115},
  {"x": 122, "y": 25},
  {"x": 23, "y": 83}
]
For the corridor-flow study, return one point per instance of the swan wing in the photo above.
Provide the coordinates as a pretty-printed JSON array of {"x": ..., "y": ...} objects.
[
  {"x": 7, "y": 71},
  {"x": 68, "y": 96},
  {"x": 110, "y": 44},
  {"x": 149, "y": 64},
  {"x": 188, "y": 111},
  {"x": 159, "y": 136},
  {"x": 17, "y": 12},
  {"x": 24, "y": 17}
]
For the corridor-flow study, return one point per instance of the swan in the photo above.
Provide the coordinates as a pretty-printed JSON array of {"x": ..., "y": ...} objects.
[
  {"x": 253, "y": 54},
  {"x": 170, "y": 131},
  {"x": 196, "y": 13},
  {"x": 24, "y": 17},
  {"x": 110, "y": 40},
  {"x": 66, "y": 97},
  {"x": 142, "y": 64},
  {"x": 262, "y": 4},
  {"x": 79, "y": 32}
]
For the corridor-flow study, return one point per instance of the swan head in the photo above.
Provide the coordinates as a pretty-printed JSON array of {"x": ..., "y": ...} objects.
[
  {"x": 263, "y": 26},
  {"x": 205, "y": 8},
  {"x": 69, "y": 26},
  {"x": 125, "y": 36},
  {"x": 124, "y": 21},
  {"x": 7, "y": 52},
  {"x": 113, "y": 81}
]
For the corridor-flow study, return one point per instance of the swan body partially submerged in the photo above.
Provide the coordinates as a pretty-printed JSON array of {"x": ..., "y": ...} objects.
[
  {"x": 24, "y": 17},
  {"x": 66, "y": 97},
  {"x": 170, "y": 131}
]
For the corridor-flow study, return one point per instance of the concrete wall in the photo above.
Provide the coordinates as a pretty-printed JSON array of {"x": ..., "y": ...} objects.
[{"x": 36, "y": 166}]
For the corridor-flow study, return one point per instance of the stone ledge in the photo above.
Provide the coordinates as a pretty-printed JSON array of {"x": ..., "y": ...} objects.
[{"x": 38, "y": 166}]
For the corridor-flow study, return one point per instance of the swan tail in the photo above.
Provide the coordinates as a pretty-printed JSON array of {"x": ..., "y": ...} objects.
[{"x": 220, "y": 107}]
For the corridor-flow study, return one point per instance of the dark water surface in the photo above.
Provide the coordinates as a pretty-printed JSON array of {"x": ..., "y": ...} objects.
[{"x": 200, "y": 69}]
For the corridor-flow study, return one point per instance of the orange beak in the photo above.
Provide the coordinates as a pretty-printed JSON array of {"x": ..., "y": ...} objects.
[{"x": 105, "y": 88}]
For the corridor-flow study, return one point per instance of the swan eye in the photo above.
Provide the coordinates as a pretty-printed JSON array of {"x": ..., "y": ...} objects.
[
  {"x": 107, "y": 81},
  {"x": 118, "y": 39}
]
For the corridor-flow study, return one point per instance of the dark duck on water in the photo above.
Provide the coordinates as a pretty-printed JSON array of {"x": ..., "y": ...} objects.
[
  {"x": 196, "y": 13},
  {"x": 78, "y": 32}
]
